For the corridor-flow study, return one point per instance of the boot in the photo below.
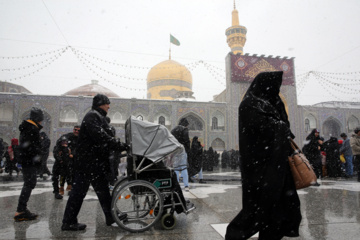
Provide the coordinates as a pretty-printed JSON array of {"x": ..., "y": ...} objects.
[
  {"x": 58, "y": 196},
  {"x": 68, "y": 188},
  {"x": 202, "y": 181},
  {"x": 61, "y": 190}
]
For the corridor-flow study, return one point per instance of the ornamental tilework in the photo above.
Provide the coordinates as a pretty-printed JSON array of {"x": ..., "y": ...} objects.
[
  {"x": 183, "y": 110},
  {"x": 324, "y": 115}
]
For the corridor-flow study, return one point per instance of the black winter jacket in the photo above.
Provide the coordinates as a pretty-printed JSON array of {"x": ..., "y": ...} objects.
[
  {"x": 30, "y": 146},
  {"x": 181, "y": 133},
  {"x": 94, "y": 137}
]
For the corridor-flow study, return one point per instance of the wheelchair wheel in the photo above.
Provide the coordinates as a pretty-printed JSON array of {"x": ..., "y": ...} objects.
[
  {"x": 118, "y": 184},
  {"x": 133, "y": 205},
  {"x": 168, "y": 221}
]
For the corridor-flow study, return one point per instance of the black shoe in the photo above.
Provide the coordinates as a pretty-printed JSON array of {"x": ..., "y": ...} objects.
[
  {"x": 25, "y": 216},
  {"x": 202, "y": 181},
  {"x": 73, "y": 227},
  {"x": 58, "y": 196},
  {"x": 316, "y": 184},
  {"x": 109, "y": 221}
]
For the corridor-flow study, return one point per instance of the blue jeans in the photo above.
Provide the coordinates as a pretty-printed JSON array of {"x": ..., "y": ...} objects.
[
  {"x": 185, "y": 176},
  {"x": 200, "y": 174},
  {"x": 182, "y": 168},
  {"x": 349, "y": 165}
]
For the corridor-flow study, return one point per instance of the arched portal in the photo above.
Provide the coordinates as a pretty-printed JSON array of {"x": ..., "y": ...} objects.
[
  {"x": 331, "y": 128},
  {"x": 218, "y": 145},
  {"x": 195, "y": 123}
]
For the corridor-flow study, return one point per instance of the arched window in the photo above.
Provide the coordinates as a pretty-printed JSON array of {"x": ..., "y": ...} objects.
[
  {"x": 6, "y": 113},
  {"x": 116, "y": 118},
  {"x": 214, "y": 124},
  {"x": 307, "y": 125},
  {"x": 310, "y": 123},
  {"x": 331, "y": 128},
  {"x": 217, "y": 121},
  {"x": 353, "y": 122},
  {"x": 68, "y": 116},
  {"x": 218, "y": 144},
  {"x": 162, "y": 120}
]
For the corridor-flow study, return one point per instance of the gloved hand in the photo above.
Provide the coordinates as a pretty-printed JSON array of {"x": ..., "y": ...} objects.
[{"x": 122, "y": 146}]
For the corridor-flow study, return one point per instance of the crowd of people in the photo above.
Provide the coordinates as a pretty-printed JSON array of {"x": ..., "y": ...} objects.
[
  {"x": 90, "y": 155},
  {"x": 335, "y": 157}
]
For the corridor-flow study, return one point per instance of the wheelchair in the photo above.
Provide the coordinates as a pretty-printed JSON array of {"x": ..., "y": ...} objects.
[{"x": 150, "y": 193}]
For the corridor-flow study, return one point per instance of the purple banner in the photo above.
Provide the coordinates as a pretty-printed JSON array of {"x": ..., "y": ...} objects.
[{"x": 244, "y": 68}]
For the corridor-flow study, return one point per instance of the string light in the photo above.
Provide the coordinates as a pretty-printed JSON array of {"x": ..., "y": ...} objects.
[
  {"x": 326, "y": 89},
  {"x": 37, "y": 55},
  {"x": 39, "y": 69},
  {"x": 127, "y": 66},
  {"x": 350, "y": 90},
  {"x": 101, "y": 77},
  {"x": 32, "y": 65},
  {"x": 344, "y": 73},
  {"x": 342, "y": 79}
]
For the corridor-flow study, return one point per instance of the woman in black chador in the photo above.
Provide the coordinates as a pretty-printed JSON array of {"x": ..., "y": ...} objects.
[
  {"x": 271, "y": 205},
  {"x": 312, "y": 152},
  {"x": 333, "y": 165}
]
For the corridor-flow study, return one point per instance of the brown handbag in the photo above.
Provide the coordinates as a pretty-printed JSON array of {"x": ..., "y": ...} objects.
[{"x": 301, "y": 169}]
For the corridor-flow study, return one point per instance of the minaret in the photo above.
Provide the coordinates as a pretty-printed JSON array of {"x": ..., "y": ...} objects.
[{"x": 236, "y": 34}]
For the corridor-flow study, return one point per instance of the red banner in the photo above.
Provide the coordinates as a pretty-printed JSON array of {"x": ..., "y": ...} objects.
[{"x": 244, "y": 68}]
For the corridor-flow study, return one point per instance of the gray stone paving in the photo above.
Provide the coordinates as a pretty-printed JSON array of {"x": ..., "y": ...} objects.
[{"x": 331, "y": 211}]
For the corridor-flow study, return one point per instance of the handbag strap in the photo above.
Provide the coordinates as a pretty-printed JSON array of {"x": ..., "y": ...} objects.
[{"x": 294, "y": 145}]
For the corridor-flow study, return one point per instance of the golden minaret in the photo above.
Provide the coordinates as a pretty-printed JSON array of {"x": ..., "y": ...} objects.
[{"x": 236, "y": 34}]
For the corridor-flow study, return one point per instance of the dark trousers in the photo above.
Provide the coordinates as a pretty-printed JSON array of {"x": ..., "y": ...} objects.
[
  {"x": 43, "y": 167},
  {"x": 29, "y": 174},
  {"x": 81, "y": 183},
  {"x": 63, "y": 178},
  {"x": 356, "y": 162}
]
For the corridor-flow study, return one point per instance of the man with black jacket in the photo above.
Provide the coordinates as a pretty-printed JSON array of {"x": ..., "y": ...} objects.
[
  {"x": 30, "y": 158},
  {"x": 181, "y": 133},
  {"x": 91, "y": 164}
]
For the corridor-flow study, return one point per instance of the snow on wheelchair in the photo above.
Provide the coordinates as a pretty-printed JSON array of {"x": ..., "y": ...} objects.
[{"x": 151, "y": 192}]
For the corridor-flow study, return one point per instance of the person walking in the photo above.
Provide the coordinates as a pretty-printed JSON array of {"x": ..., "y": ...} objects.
[
  {"x": 11, "y": 157},
  {"x": 197, "y": 158},
  {"x": 346, "y": 150},
  {"x": 72, "y": 139},
  {"x": 90, "y": 165},
  {"x": 312, "y": 152},
  {"x": 181, "y": 133},
  {"x": 355, "y": 147},
  {"x": 30, "y": 158},
  {"x": 332, "y": 151},
  {"x": 271, "y": 205},
  {"x": 61, "y": 172},
  {"x": 45, "y": 145}
]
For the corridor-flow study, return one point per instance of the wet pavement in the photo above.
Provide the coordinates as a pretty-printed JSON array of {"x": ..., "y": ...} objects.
[{"x": 331, "y": 211}]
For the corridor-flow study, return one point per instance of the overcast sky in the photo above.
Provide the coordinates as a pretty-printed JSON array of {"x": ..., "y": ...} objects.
[{"x": 117, "y": 42}]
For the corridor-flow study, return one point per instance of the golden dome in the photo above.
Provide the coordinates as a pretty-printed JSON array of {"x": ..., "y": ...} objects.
[{"x": 167, "y": 79}]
